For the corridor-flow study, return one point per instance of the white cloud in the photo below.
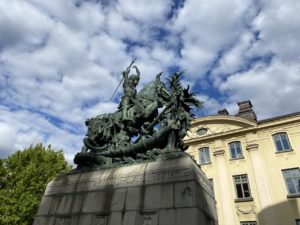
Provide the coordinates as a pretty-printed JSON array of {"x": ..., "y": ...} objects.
[
  {"x": 101, "y": 108},
  {"x": 60, "y": 62},
  {"x": 206, "y": 28},
  {"x": 270, "y": 85},
  {"x": 278, "y": 24},
  {"x": 21, "y": 25},
  {"x": 273, "y": 90},
  {"x": 23, "y": 128},
  {"x": 148, "y": 12},
  {"x": 211, "y": 106},
  {"x": 234, "y": 59},
  {"x": 129, "y": 28},
  {"x": 8, "y": 135}
]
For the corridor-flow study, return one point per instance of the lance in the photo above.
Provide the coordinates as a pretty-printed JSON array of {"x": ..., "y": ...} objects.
[
  {"x": 117, "y": 89},
  {"x": 127, "y": 71}
]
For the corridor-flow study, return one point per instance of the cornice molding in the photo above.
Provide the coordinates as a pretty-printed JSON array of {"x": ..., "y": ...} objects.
[
  {"x": 252, "y": 147},
  {"x": 242, "y": 131},
  {"x": 228, "y": 118},
  {"x": 219, "y": 153}
]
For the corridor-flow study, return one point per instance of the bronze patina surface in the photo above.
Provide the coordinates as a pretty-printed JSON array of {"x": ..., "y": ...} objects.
[{"x": 147, "y": 124}]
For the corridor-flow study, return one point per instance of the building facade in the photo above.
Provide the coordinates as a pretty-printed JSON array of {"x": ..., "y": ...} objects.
[{"x": 253, "y": 165}]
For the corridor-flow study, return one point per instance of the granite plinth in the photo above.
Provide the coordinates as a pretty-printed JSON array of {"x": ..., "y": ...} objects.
[{"x": 166, "y": 192}]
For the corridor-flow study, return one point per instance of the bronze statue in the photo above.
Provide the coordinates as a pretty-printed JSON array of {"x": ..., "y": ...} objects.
[
  {"x": 138, "y": 131},
  {"x": 129, "y": 86}
]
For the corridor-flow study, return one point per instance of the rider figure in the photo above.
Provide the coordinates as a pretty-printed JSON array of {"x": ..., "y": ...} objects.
[{"x": 129, "y": 86}]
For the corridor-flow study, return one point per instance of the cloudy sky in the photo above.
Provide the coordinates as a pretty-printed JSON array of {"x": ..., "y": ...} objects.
[{"x": 60, "y": 61}]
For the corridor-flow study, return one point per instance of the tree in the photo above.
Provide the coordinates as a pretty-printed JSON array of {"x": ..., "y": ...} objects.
[{"x": 23, "y": 179}]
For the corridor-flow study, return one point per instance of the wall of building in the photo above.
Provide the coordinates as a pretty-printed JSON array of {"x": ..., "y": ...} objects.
[{"x": 270, "y": 203}]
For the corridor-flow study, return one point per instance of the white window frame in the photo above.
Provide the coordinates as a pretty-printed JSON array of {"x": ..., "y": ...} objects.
[
  {"x": 206, "y": 151},
  {"x": 233, "y": 146},
  {"x": 241, "y": 183},
  {"x": 295, "y": 180},
  {"x": 279, "y": 137}
]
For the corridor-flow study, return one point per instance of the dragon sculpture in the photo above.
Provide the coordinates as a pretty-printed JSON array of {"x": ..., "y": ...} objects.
[{"x": 148, "y": 123}]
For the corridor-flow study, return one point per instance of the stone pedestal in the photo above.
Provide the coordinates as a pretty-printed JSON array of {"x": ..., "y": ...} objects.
[{"x": 166, "y": 192}]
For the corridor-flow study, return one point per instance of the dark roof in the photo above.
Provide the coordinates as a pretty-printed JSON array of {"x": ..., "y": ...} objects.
[{"x": 278, "y": 117}]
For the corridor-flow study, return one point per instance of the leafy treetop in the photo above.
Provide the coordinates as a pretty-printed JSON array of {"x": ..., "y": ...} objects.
[{"x": 23, "y": 179}]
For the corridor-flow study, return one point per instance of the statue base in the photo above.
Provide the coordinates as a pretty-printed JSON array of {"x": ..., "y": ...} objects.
[{"x": 164, "y": 192}]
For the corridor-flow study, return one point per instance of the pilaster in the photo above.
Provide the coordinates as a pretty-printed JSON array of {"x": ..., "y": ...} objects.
[
  {"x": 262, "y": 184},
  {"x": 223, "y": 178}
]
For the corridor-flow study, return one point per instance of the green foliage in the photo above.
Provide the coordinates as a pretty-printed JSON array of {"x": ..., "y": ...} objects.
[{"x": 23, "y": 179}]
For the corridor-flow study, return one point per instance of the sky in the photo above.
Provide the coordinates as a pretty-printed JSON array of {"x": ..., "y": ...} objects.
[{"x": 60, "y": 61}]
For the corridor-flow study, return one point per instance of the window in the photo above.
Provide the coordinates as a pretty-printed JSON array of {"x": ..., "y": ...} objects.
[
  {"x": 292, "y": 180},
  {"x": 201, "y": 131},
  {"x": 282, "y": 143},
  {"x": 204, "y": 155},
  {"x": 249, "y": 223},
  {"x": 297, "y": 221},
  {"x": 235, "y": 150},
  {"x": 242, "y": 188}
]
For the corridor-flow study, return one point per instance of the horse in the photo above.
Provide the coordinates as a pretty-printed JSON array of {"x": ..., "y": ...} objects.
[{"x": 103, "y": 130}]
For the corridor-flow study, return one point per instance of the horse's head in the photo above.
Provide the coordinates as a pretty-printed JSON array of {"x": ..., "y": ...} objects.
[{"x": 148, "y": 91}]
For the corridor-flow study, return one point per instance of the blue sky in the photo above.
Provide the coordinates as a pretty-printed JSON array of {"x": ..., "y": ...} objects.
[{"x": 60, "y": 61}]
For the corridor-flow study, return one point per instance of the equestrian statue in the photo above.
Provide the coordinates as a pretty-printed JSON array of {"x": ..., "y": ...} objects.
[{"x": 148, "y": 124}]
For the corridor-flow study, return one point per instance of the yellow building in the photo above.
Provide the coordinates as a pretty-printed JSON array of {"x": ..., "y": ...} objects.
[{"x": 254, "y": 165}]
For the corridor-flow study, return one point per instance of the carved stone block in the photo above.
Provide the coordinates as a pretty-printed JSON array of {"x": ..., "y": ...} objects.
[
  {"x": 93, "y": 202},
  {"x": 185, "y": 194},
  {"x": 77, "y": 203},
  {"x": 39, "y": 220},
  {"x": 130, "y": 218},
  {"x": 148, "y": 218},
  {"x": 116, "y": 218},
  {"x": 62, "y": 221},
  {"x": 158, "y": 196},
  {"x": 117, "y": 202},
  {"x": 44, "y": 206},
  {"x": 85, "y": 219},
  {"x": 99, "y": 220},
  {"x": 65, "y": 204},
  {"x": 134, "y": 198},
  {"x": 166, "y": 192}
]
